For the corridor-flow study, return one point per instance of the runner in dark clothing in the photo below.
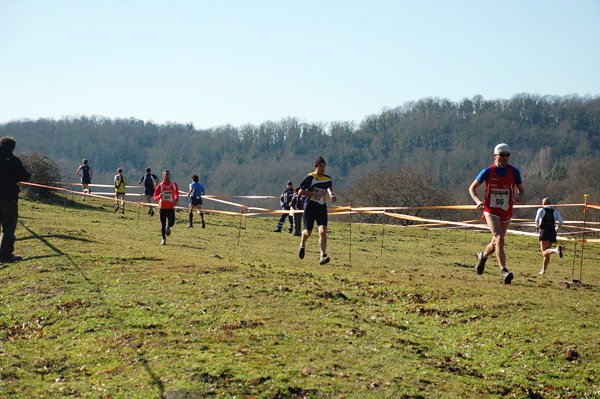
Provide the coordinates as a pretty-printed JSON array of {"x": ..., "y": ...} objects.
[
  {"x": 85, "y": 172},
  {"x": 149, "y": 180},
  {"x": 546, "y": 219},
  {"x": 315, "y": 187}
]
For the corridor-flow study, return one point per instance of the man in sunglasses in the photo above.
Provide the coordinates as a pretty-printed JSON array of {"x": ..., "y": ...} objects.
[{"x": 500, "y": 179}]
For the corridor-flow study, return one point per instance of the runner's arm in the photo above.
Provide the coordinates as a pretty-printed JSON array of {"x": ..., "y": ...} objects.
[
  {"x": 519, "y": 197},
  {"x": 331, "y": 194},
  {"x": 473, "y": 191}
]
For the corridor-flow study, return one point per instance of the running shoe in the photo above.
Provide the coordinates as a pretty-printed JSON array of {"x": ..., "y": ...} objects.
[
  {"x": 480, "y": 262},
  {"x": 190, "y": 226},
  {"x": 163, "y": 242},
  {"x": 203, "y": 225},
  {"x": 301, "y": 253},
  {"x": 168, "y": 230},
  {"x": 324, "y": 259},
  {"x": 560, "y": 251},
  {"x": 506, "y": 276}
]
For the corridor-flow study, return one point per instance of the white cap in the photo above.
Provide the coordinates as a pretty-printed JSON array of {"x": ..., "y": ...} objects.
[{"x": 502, "y": 147}]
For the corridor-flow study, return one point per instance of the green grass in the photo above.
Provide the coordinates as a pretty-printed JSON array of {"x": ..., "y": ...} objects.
[{"x": 99, "y": 309}]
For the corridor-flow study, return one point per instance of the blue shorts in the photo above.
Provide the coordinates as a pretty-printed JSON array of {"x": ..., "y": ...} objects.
[{"x": 314, "y": 212}]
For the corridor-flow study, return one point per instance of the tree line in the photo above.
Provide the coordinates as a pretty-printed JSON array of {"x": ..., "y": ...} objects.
[{"x": 555, "y": 142}]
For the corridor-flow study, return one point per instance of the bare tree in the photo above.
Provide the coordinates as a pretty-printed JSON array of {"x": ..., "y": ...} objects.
[{"x": 398, "y": 187}]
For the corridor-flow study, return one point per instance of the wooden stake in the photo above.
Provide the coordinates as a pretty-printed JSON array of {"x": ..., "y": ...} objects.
[
  {"x": 350, "y": 241},
  {"x": 583, "y": 235}
]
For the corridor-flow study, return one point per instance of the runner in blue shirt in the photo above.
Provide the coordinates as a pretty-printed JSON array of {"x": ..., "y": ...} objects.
[
  {"x": 85, "y": 172},
  {"x": 195, "y": 198}
]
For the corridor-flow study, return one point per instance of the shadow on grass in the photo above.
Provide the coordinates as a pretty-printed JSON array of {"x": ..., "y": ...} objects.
[
  {"x": 145, "y": 259},
  {"x": 61, "y": 236},
  {"x": 56, "y": 250},
  {"x": 64, "y": 202},
  {"x": 155, "y": 380},
  {"x": 191, "y": 246}
]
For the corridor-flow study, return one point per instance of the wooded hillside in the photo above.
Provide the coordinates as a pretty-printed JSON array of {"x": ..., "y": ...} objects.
[{"x": 555, "y": 142}]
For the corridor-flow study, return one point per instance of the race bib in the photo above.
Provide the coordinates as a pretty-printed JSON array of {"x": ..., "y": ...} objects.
[
  {"x": 320, "y": 200},
  {"x": 168, "y": 196},
  {"x": 499, "y": 198}
]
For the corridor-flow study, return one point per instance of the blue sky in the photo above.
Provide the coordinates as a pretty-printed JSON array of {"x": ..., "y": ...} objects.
[{"x": 236, "y": 62}]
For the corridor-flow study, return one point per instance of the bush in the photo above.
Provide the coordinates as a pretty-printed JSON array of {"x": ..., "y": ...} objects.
[
  {"x": 43, "y": 171},
  {"x": 397, "y": 187}
]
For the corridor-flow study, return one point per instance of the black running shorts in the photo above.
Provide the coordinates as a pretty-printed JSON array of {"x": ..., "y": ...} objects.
[{"x": 314, "y": 212}]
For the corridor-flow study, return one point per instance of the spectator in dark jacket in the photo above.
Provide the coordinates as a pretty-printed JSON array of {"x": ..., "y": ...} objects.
[
  {"x": 297, "y": 204},
  {"x": 284, "y": 200},
  {"x": 12, "y": 171}
]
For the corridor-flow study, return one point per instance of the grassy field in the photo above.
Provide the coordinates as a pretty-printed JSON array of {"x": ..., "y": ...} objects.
[{"x": 98, "y": 309}]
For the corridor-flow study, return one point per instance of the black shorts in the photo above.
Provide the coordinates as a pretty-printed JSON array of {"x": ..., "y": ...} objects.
[
  {"x": 195, "y": 201},
  {"x": 86, "y": 180},
  {"x": 314, "y": 212},
  {"x": 548, "y": 235},
  {"x": 167, "y": 216}
]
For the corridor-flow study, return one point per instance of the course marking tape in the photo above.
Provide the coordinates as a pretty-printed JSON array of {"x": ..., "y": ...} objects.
[{"x": 347, "y": 210}]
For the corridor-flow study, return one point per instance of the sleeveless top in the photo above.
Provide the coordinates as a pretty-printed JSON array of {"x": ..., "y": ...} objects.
[
  {"x": 548, "y": 219},
  {"x": 120, "y": 184},
  {"x": 85, "y": 173},
  {"x": 500, "y": 193}
]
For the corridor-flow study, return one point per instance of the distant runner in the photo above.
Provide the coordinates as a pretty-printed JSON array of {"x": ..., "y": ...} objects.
[
  {"x": 85, "y": 172},
  {"x": 167, "y": 195},
  {"x": 120, "y": 189},
  {"x": 195, "y": 199},
  {"x": 149, "y": 180},
  {"x": 545, "y": 222}
]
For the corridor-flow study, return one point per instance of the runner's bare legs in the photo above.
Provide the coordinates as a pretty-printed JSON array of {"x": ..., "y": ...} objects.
[{"x": 498, "y": 229}]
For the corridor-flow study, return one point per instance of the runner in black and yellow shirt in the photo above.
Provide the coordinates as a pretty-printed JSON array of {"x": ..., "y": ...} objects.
[{"x": 315, "y": 187}]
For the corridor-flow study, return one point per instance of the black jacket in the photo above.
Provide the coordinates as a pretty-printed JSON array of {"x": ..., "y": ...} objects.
[
  {"x": 286, "y": 198},
  {"x": 12, "y": 171}
]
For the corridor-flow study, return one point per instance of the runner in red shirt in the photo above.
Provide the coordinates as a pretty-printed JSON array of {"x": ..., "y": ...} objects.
[
  {"x": 167, "y": 195},
  {"x": 502, "y": 181}
]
